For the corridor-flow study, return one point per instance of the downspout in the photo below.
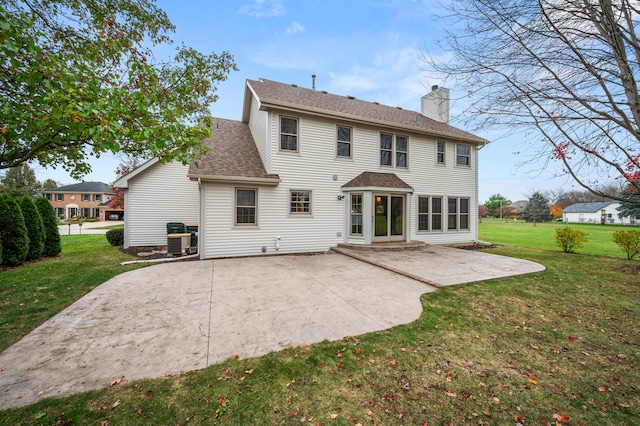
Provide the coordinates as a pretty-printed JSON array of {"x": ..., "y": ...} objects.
[{"x": 200, "y": 216}]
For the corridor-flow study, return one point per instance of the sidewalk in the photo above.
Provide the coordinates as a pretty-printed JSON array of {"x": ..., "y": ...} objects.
[{"x": 87, "y": 228}]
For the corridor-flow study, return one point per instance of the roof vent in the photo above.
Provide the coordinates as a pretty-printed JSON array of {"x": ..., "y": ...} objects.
[
  {"x": 324, "y": 91},
  {"x": 434, "y": 87},
  {"x": 351, "y": 97},
  {"x": 294, "y": 85},
  {"x": 377, "y": 103},
  {"x": 417, "y": 118},
  {"x": 399, "y": 107},
  {"x": 313, "y": 82}
]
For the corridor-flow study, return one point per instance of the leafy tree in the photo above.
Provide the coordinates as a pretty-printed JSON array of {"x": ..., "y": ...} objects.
[
  {"x": 495, "y": 202},
  {"x": 538, "y": 209},
  {"x": 35, "y": 227},
  {"x": 52, "y": 244},
  {"x": 565, "y": 73},
  {"x": 117, "y": 199},
  {"x": 13, "y": 232},
  {"x": 50, "y": 184},
  {"x": 20, "y": 181},
  {"x": 78, "y": 77}
]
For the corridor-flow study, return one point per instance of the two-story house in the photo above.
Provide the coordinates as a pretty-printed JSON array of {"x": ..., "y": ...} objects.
[
  {"x": 79, "y": 200},
  {"x": 306, "y": 170}
]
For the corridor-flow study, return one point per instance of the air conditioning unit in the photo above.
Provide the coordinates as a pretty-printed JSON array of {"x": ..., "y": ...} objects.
[{"x": 177, "y": 244}]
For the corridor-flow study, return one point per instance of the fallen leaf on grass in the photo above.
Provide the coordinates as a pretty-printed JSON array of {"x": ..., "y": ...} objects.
[
  {"x": 333, "y": 416},
  {"x": 115, "y": 404},
  {"x": 115, "y": 382},
  {"x": 451, "y": 394},
  {"x": 602, "y": 389},
  {"x": 560, "y": 417},
  {"x": 237, "y": 356}
]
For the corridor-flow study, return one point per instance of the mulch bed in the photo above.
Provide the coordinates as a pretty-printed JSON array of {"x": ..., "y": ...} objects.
[{"x": 149, "y": 252}]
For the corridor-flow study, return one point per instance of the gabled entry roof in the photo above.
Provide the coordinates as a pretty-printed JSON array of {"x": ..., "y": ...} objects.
[{"x": 373, "y": 180}]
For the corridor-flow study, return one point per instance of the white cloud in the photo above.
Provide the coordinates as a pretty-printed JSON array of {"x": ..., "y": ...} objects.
[
  {"x": 263, "y": 8},
  {"x": 295, "y": 28}
]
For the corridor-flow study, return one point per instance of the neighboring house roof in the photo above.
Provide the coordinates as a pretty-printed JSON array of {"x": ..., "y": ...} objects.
[
  {"x": 93, "y": 187},
  {"x": 586, "y": 207},
  {"x": 232, "y": 156},
  {"x": 377, "y": 180},
  {"x": 272, "y": 94},
  {"x": 519, "y": 205}
]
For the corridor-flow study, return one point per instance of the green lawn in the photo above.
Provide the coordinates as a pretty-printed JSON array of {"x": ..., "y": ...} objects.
[
  {"x": 542, "y": 235},
  {"x": 561, "y": 345}
]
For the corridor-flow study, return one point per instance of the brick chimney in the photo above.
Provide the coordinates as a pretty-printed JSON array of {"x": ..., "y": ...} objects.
[{"x": 435, "y": 104}]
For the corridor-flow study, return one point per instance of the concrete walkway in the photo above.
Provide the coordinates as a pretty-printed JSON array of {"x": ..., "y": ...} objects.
[
  {"x": 183, "y": 316},
  {"x": 87, "y": 228}
]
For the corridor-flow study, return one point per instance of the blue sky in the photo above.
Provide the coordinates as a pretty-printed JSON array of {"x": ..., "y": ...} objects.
[{"x": 370, "y": 49}]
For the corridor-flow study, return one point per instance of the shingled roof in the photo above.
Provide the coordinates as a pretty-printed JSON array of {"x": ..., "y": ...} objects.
[
  {"x": 87, "y": 187},
  {"x": 291, "y": 97},
  {"x": 232, "y": 156},
  {"x": 377, "y": 180},
  {"x": 586, "y": 207}
]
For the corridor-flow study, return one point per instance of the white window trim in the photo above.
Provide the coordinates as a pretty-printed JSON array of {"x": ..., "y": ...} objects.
[
  {"x": 394, "y": 152},
  {"x": 444, "y": 153},
  {"x": 351, "y": 234},
  {"x": 235, "y": 207},
  {"x": 300, "y": 214},
  {"x": 290, "y": 151},
  {"x": 456, "y": 155},
  {"x": 350, "y": 157},
  {"x": 430, "y": 214},
  {"x": 458, "y": 214}
]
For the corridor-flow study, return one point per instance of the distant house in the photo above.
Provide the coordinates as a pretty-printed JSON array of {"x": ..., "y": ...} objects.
[
  {"x": 518, "y": 206},
  {"x": 82, "y": 200},
  {"x": 595, "y": 213},
  {"x": 306, "y": 170}
]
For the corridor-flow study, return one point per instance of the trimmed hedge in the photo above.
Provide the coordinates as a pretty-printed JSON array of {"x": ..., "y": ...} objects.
[
  {"x": 35, "y": 227},
  {"x": 52, "y": 244},
  {"x": 13, "y": 232},
  {"x": 115, "y": 236}
]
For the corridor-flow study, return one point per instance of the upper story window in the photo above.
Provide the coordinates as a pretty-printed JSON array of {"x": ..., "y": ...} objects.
[
  {"x": 246, "y": 206},
  {"x": 344, "y": 142},
  {"x": 463, "y": 154},
  {"x": 97, "y": 197},
  {"x": 85, "y": 197},
  {"x": 393, "y": 150},
  {"x": 288, "y": 134},
  {"x": 441, "y": 147},
  {"x": 59, "y": 197},
  {"x": 47, "y": 196},
  {"x": 300, "y": 202}
]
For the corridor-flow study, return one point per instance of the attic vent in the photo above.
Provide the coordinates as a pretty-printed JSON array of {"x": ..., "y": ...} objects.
[
  {"x": 351, "y": 97},
  {"x": 294, "y": 85},
  {"x": 324, "y": 91}
]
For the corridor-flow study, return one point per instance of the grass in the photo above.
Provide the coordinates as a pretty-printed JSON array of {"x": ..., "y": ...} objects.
[
  {"x": 542, "y": 235},
  {"x": 561, "y": 345},
  {"x": 33, "y": 293}
]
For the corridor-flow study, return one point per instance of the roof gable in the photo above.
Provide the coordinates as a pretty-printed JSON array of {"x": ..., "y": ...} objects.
[
  {"x": 272, "y": 94},
  {"x": 377, "y": 180},
  {"x": 232, "y": 155}
]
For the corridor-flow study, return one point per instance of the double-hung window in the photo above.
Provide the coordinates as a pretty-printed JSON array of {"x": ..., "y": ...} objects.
[
  {"x": 97, "y": 197},
  {"x": 300, "y": 202},
  {"x": 394, "y": 150},
  {"x": 356, "y": 214},
  {"x": 85, "y": 197},
  {"x": 458, "y": 214},
  {"x": 48, "y": 196},
  {"x": 430, "y": 214},
  {"x": 59, "y": 197},
  {"x": 246, "y": 206},
  {"x": 463, "y": 154},
  {"x": 441, "y": 147},
  {"x": 344, "y": 141},
  {"x": 288, "y": 134}
]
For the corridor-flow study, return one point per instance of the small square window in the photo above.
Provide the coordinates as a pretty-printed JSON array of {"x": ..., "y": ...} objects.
[{"x": 300, "y": 202}]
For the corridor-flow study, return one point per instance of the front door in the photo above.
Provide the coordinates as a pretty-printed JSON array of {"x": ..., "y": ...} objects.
[{"x": 388, "y": 217}]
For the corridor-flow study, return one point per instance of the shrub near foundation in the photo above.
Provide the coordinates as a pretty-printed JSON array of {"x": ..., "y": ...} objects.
[
  {"x": 52, "y": 244},
  {"x": 568, "y": 238},
  {"x": 35, "y": 228},
  {"x": 115, "y": 236},
  {"x": 13, "y": 232}
]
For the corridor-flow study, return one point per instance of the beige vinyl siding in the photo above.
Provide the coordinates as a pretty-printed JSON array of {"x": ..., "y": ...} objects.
[
  {"x": 160, "y": 194},
  {"x": 258, "y": 122}
]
